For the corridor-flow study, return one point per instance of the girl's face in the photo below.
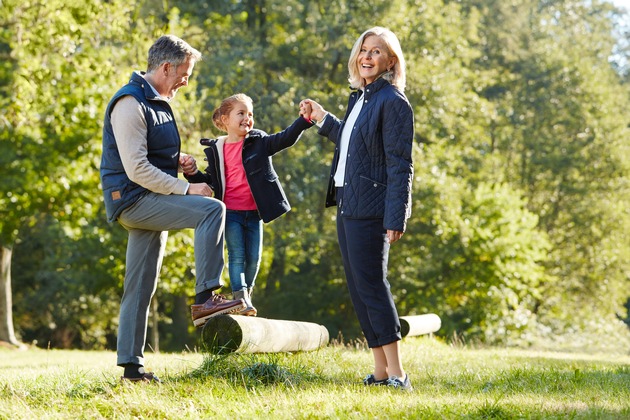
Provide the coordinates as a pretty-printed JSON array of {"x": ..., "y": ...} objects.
[
  {"x": 240, "y": 120},
  {"x": 374, "y": 58}
]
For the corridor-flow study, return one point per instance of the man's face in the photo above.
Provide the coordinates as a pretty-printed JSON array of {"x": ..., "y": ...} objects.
[{"x": 176, "y": 77}]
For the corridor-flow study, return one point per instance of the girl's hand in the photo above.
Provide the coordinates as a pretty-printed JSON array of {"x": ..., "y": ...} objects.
[
  {"x": 305, "y": 111},
  {"x": 188, "y": 164}
]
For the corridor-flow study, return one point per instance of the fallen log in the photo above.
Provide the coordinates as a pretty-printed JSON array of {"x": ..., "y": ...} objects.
[
  {"x": 419, "y": 324},
  {"x": 247, "y": 334}
]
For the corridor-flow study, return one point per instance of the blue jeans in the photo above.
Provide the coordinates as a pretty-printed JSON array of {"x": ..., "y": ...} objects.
[{"x": 243, "y": 236}]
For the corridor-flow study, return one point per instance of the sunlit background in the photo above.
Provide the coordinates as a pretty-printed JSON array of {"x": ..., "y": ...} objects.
[{"x": 622, "y": 3}]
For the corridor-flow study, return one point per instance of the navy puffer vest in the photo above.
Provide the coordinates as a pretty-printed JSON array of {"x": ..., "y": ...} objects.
[{"x": 163, "y": 146}]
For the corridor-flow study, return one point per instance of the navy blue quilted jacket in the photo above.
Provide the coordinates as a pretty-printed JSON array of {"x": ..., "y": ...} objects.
[
  {"x": 379, "y": 169},
  {"x": 263, "y": 180}
]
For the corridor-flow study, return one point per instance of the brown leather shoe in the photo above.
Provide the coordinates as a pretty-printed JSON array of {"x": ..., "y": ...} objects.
[{"x": 214, "y": 306}]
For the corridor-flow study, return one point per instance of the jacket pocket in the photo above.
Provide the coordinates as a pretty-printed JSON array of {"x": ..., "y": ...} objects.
[
  {"x": 250, "y": 157},
  {"x": 371, "y": 197},
  {"x": 266, "y": 173}
]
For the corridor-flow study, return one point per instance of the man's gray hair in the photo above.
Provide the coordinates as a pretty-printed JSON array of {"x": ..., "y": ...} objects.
[{"x": 171, "y": 49}]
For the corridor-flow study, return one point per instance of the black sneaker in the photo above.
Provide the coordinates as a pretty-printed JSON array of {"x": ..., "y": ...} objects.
[
  {"x": 370, "y": 380},
  {"x": 397, "y": 383}
]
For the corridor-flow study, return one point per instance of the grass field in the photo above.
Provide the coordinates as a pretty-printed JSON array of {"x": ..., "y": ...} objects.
[{"x": 450, "y": 382}]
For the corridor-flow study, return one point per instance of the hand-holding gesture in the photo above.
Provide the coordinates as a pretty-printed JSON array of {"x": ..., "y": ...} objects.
[
  {"x": 188, "y": 164},
  {"x": 311, "y": 110},
  {"x": 189, "y": 167}
]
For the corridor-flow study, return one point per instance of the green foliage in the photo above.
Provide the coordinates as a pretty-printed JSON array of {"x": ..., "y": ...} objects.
[
  {"x": 519, "y": 228},
  {"x": 58, "y": 81},
  {"x": 484, "y": 253},
  {"x": 58, "y": 78},
  {"x": 561, "y": 126},
  {"x": 70, "y": 301}
]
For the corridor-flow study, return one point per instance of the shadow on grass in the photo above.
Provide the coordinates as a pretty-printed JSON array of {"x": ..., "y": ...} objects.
[{"x": 253, "y": 370}]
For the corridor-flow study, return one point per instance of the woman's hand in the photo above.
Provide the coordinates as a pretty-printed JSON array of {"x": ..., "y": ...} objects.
[
  {"x": 393, "y": 236},
  {"x": 311, "y": 110}
]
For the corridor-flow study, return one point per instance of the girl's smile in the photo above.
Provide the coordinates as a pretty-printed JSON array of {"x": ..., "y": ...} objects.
[{"x": 239, "y": 121}]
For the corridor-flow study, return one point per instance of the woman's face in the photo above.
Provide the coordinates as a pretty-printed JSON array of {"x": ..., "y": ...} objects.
[
  {"x": 240, "y": 120},
  {"x": 374, "y": 58}
]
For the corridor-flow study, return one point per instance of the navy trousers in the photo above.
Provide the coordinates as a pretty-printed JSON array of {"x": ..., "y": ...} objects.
[{"x": 365, "y": 253}]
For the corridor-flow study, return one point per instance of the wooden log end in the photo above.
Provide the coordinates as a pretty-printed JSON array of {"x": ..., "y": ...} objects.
[
  {"x": 415, "y": 325},
  {"x": 221, "y": 334}
]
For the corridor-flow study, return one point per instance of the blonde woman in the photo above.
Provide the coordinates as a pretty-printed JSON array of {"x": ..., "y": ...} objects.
[{"x": 370, "y": 183}]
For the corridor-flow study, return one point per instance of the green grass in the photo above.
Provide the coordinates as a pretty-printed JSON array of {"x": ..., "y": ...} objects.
[{"x": 450, "y": 382}]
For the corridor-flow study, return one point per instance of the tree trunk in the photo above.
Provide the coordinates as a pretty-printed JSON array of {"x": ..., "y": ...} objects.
[
  {"x": 7, "y": 333},
  {"x": 181, "y": 322},
  {"x": 154, "y": 318},
  {"x": 276, "y": 271}
]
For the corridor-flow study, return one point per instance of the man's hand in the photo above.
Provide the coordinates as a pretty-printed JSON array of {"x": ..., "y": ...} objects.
[{"x": 200, "y": 189}]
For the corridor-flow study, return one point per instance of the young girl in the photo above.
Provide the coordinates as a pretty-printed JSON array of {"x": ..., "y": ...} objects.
[{"x": 241, "y": 174}]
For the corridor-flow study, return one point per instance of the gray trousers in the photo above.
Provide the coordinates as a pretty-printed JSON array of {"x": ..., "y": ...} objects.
[{"x": 148, "y": 222}]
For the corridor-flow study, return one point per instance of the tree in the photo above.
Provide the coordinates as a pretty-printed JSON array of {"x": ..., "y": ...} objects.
[
  {"x": 520, "y": 194},
  {"x": 561, "y": 121},
  {"x": 55, "y": 79}
]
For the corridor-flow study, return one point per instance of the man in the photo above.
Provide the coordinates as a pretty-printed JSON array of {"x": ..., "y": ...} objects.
[{"x": 139, "y": 167}]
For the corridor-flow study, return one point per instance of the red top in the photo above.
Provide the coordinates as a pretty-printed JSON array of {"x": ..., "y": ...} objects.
[{"x": 238, "y": 195}]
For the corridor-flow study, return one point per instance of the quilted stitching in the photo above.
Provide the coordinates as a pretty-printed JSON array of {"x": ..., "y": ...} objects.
[{"x": 368, "y": 192}]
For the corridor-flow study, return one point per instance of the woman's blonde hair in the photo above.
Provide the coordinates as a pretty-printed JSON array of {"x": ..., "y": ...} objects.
[
  {"x": 396, "y": 76},
  {"x": 227, "y": 105}
]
